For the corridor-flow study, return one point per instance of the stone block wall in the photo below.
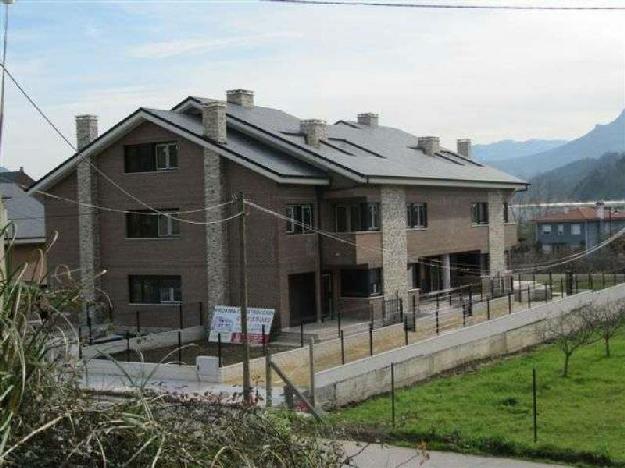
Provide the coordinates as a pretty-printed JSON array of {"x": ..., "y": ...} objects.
[{"x": 395, "y": 255}]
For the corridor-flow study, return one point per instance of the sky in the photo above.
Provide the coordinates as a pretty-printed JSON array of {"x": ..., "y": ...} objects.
[{"x": 484, "y": 75}]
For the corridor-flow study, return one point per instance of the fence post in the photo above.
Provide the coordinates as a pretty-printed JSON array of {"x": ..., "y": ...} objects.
[
  {"x": 179, "y": 348},
  {"x": 180, "y": 317},
  {"x": 534, "y": 412},
  {"x": 546, "y": 294},
  {"x": 268, "y": 389},
  {"x": 534, "y": 278},
  {"x": 138, "y": 320},
  {"x": 529, "y": 298},
  {"x": 590, "y": 285},
  {"x": 301, "y": 334},
  {"x": 127, "y": 346},
  {"x": 219, "y": 356},
  {"x": 602, "y": 280},
  {"x": 481, "y": 290},
  {"x": 263, "y": 339},
  {"x": 370, "y": 339},
  {"x": 509, "y": 302},
  {"x": 342, "y": 348},
  {"x": 464, "y": 314},
  {"x": 201, "y": 312},
  {"x": 562, "y": 286},
  {"x": 393, "y": 394},
  {"x": 470, "y": 311},
  {"x": 438, "y": 299},
  {"x": 338, "y": 318},
  {"x": 89, "y": 325},
  {"x": 311, "y": 360},
  {"x": 488, "y": 308},
  {"x": 550, "y": 280},
  {"x": 79, "y": 342},
  {"x": 437, "y": 323},
  {"x": 406, "y": 331}
]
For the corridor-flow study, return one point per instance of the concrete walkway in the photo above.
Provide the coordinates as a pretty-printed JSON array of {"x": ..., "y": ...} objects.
[{"x": 378, "y": 456}]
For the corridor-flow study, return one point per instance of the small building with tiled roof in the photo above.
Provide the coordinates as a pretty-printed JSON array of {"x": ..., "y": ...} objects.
[{"x": 577, "y": 228}]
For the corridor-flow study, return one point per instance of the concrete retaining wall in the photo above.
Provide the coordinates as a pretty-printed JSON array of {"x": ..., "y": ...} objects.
[
  {"x": 151, "y": 341},
  {"x": 359, "y": 380},
  {"x": 299, "y": 356}
]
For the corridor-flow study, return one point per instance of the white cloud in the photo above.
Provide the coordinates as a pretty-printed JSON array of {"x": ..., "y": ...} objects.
[{"x": 179, "y": 47}]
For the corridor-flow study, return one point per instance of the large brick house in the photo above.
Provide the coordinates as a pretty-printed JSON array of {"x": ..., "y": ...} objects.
[{"x": 408, "y": 209}]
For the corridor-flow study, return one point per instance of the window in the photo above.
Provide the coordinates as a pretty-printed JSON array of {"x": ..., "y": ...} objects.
[
  {"x": 361, "y": 283},
  {"x": 147, "y": 225},
  {"x": 299, "y": 215},
  {"x": 357, "y": 217},
  {"x": 154, "y": 289},
  {"x": 546, "y": 228},
  {"x": 479, "y": 213},
  {"x": 576, "y": 229},
  {"x": 506, "y": 212},
  {"x": 417, "y": 216},
  {"x": 150, "y": 157},
  {"x": 560, "y": 229},
  {"x": 166, "y": 156}
]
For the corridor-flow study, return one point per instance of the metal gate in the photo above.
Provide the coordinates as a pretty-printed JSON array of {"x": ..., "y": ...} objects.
[{"x": 393, "y": 311}]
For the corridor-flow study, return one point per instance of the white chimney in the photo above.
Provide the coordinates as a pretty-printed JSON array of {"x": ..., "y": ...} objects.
[
  {"x": 314, "y": 130},
  {"x": 214, "y": 121},
  {"x": 430, "y": 145},
  {"x": 464, "y": 147},
  {"x": 368, "y": 119},
  {"x": 600, "y": 210},
  {"x": 86, "y": 130},
  {"x": 241, "y": 97}
]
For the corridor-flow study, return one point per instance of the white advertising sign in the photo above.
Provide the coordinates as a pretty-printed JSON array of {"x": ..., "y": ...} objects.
[{"x": 227, "y": 323}]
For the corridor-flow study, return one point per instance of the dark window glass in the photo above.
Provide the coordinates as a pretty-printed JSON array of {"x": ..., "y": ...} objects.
[
  {"x": 144, "y": 224},
  {"x": 342, "y": 224},
  {"x": 479, "y": 213},
  {"x": 154, "y": 289},
  {"x": 417, "y": 216},
  {"x": 371, "y": 216},
  {"x": 300, "y": 219},
  {"x": 356, "y": 218},
  {"x": 149, "y": 157},
  {"x": 506, "y": 212},
  {"x": 361, "y": 283}
]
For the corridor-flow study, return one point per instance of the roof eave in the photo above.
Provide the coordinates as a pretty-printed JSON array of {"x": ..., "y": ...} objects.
[{"x": 389, "y": 180}]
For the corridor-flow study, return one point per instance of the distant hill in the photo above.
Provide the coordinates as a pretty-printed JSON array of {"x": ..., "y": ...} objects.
[
  {"x": 508, "y": 149},
  {"x": 583, "y": 180},
  {"x": 600, "y": 140}
]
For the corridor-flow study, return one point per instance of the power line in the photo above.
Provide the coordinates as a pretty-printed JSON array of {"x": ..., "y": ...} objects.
[
  {"x": 448, "y": 6},
  {"x": 4, "y": 60}
]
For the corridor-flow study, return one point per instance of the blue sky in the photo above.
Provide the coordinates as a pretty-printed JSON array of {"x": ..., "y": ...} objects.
[{"x": 486, "y": 75}]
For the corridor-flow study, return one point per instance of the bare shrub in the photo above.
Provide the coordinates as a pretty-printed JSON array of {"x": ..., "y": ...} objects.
[
  {"x": 607, "y": 320},
  {"x": 569, "y": 332}
]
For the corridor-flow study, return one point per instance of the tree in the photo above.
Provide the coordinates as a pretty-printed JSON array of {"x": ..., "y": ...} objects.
[
  {"x": 569, "y": 332},
  {"x": 607, "y": 320}
]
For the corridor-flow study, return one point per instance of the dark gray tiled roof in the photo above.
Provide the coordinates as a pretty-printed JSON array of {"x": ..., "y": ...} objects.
[
  {"x": 370, "y": 152},
  {"x": 25, "y": 211}
]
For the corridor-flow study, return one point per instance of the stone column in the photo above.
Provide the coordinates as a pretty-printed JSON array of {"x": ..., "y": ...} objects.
[
  {"x": 496, "y": 242},
  {"x": 446, "y": 270},
  {"x": 395, "y": 255},
  {"x": 214, "y": 120},
  {"x": 88, "y": 225}
]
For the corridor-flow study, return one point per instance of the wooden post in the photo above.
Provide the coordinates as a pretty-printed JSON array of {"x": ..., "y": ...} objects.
[
  {"x": 247, "y": 386},
  {"x": 219, "y": 355},
  {"x": 342, "y": 348},
  {"x": 393, "y": 394},
  {"x": 311, "y": 360},
  {"x": 534, "y": 412},
  {"x": 263, "y": 339},
  {"x": 268, "y": 388}
]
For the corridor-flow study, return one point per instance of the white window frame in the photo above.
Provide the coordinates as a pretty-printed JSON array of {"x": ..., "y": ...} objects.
[
  {"x": 168, "y": 164},
  {"x": 168, "y": 227},
  {"x": 576, "y": 229},
  {"x": 560, "y": 229},
  {"x": 169, "y": 296},
  {"x": 545, "y": 229},
  {"x": 373, "y": 212}
]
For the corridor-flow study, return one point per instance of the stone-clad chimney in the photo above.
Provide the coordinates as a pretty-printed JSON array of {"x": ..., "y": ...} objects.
[
  {"x": 464, "y": 147},
  {"x": 430, "y": 145},
  {"x": 214, "y": 121},
  {"x": 242, "y": 97},
  {"x": 369, "y": 119},
  {"x": 86, "y": 129},
  {"x": 88, "y": 229},
  {"x": 600, "y": 210},
  {"x": 314, "y": 130}
]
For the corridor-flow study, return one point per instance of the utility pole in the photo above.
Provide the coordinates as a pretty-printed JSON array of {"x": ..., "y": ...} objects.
[{"x": 247, "y": 387}]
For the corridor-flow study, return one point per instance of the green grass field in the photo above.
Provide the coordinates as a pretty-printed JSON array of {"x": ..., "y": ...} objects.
[{"x": 581, "y": 419}]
